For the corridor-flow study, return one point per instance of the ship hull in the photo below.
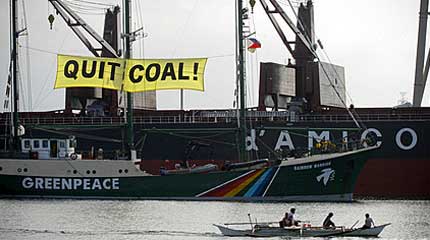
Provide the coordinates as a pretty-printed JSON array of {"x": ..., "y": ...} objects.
[
  {"x": 398, "y": 170},
  {"x": 328, "y": 177},
  {"x": 394, "y": 178}
]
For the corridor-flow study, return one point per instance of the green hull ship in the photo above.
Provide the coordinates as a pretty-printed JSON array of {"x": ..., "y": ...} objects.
[{"x": 323, "y": 177}]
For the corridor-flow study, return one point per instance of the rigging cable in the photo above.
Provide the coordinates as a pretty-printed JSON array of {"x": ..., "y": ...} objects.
[
  {"x": 95, "y": 3},
  {"x": 343, "y": 84},
  {"x": 27, "y": 59},
  {"x": 50, "y": 72},
  {"x": 322, "y": 49},
  {"x": 253, "y": 58},
  {"x": 325, "y": 70}
]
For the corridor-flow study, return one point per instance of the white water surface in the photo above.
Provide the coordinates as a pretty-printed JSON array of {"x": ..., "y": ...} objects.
[{"x": 127, "y": 220}]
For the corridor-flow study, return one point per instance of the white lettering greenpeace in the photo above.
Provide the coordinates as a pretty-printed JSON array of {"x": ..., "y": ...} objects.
[
  {"x": 367, "y": 131},
  {"x": 27, "y": 183},
  {"x": 71, "y": 183},
  {"x": 284, "y": 139},
  {"x": 399, "y": 138},
  {"x": 325, "y": 135}
]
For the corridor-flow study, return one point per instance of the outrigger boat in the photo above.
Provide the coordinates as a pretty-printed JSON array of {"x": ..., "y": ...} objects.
[
  {"x": 272, "y": 229},
  {"x": 263, "y": 230}
]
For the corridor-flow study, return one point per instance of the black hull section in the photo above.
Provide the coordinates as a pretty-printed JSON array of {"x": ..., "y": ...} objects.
[{"x": 403, "y": 145}]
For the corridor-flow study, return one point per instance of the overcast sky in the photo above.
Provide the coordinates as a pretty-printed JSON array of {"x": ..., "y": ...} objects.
[{"x": 374, "y": 40}]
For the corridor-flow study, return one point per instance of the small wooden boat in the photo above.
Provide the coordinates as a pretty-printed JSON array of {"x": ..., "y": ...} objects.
[{"x": 268, "y": 230}]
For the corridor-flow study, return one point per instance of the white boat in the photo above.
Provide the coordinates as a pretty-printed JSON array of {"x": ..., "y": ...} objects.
[{"x": 267, "y": 230}]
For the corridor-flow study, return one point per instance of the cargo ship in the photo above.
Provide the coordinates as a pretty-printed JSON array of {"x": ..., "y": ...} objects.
[{"x": 306, "y": 110}]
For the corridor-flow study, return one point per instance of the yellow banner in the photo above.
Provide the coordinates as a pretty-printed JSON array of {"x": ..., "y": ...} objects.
[
  {"x": 74, "y": 71},
  {"x": 159, "y": 74},
  {"x": 135, "y": 75}
]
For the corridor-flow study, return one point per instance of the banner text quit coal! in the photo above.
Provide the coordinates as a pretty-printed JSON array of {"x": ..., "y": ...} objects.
[{"x": 134, "y": 75}]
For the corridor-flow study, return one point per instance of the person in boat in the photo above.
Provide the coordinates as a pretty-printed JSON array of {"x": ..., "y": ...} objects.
[
  {"x": 283, "y": 222},
  {"x": 328, "y": 223},
  {"x": 368, "y": 222},
  {"x": 291, "y": 221}
]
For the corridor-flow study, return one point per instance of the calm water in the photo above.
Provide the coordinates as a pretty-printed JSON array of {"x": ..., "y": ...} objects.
[{"x": 79, "y": 219}]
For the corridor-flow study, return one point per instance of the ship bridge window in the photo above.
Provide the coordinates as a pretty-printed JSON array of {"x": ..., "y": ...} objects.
[
  {"x": 36, "y": 144},
  {"x": 44, "y": 143},
  {"x": 27, "y": 144}
]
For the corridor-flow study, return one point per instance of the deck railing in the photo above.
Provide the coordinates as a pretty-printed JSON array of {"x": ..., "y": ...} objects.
[{"x": 215, "y": 117}]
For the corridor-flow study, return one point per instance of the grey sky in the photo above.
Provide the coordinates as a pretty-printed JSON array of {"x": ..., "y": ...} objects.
[{"x": 374, "y": 40}]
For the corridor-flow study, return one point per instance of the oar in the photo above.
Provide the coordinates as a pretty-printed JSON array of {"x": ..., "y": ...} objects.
[
  {"x": 250, "y": 222},
  {"x": 354, "y": 224}
]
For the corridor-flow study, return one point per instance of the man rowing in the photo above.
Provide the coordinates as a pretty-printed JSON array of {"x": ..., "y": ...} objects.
[
  {"x": 368, "y": 222},
  {"x": 328, "y": 223},
  {"x": 289, "y": 219}
]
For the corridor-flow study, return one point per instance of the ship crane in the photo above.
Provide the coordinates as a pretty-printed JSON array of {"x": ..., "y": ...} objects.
[
  {"x": 76, "y": 23},
  {"x": 277, "y": 10},
  {"x": 421, "y": 71},
  {"x": 305, "y": 49}
]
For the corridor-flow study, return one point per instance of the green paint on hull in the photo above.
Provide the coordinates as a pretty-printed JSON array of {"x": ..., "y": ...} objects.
[{"x": 331, "y": 177}]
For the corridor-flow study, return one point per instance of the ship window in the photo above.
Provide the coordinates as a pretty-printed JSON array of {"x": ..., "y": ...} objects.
[
  {"x": 36, "y": 144},
  {"x": 88, "y": 171},
  {"x": 44, "y": 143},
  {"x": 120, "y": 171},
  {"x": 74, "y": 171},
  {"x": 62, "y": 144},
  {"x": 19, "y": 170},
  {"x": 94, "y": 171},
  {"x": 126, "y": 170},
  {"x": 72, "y": 142},
  {"x": 27, "y": 144},
  {"x": 25, "y": 169},
  {"x": 1, "y": 169}
]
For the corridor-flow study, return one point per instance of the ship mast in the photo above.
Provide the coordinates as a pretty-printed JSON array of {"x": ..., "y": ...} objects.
[
  {"x": 14, "y": 74},
  {"x": 127, "y": 55},
  {"x": 240, "y": 78}
]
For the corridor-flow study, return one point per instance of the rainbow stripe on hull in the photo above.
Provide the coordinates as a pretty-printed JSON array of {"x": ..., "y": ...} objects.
[{"x": 251, "y": 184}]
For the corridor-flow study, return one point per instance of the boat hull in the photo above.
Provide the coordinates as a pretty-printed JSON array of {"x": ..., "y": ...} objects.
[
  {"x": 328, "y": 177},
  {"x": 267, "y": 231},
  {"x": 399, "y": 170},
  {"x": 394, "y": 178}
]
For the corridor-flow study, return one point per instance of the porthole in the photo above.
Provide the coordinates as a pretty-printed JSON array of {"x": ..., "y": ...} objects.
[
  {"x": 74, "y": 171},
  {"x": 126, "y": 170},
  {"x": 19, "y": 170},
  {"x": 1, "y": 168},
  {"x": 120, "y": 171},
  {"x": 25, "y": 170},
  {"x": 94, "y": 171},
  {"x": 88, "y": 171}
]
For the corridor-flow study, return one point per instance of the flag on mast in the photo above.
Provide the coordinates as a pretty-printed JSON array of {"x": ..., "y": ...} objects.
[{"x": 253, "y": 44}]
